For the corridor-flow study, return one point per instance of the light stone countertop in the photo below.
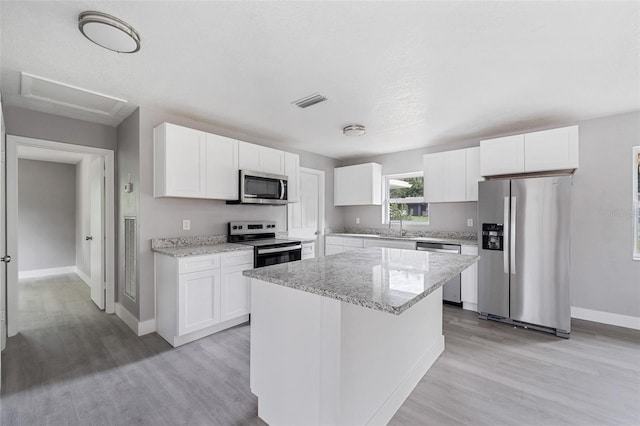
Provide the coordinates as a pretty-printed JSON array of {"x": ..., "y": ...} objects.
[
  {"x": 453, "y": 240},
  {"x": 389, "y": 280},
  {"x": 185, "y": 251}
]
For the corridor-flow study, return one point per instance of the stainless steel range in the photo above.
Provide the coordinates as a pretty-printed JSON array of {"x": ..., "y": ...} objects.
[{"x": 268, "y": 250}]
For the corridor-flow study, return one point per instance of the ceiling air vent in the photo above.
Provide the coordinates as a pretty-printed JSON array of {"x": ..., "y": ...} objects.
[{"x": 310, "y": 100}]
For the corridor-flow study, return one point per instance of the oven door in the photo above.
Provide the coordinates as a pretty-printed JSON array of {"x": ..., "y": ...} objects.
[
  {"x": 262, "y": 188},
  {"x": 275, "y": 255}
]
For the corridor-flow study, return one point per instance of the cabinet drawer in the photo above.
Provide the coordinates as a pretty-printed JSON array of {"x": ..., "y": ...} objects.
[
  {"x": 199, "y": 263},
  {"x": 353, "y": 242},
  {"x": 335, "y": 241},
  {"x": 307, "y": 249},
  {"x": 237, "y": 258}
]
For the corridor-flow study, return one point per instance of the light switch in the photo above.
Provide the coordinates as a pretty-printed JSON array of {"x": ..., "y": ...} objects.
[
  {"x": 357, "y": 221},
  {"x": 186, "y": 225},
  {"x": 469, "y": 222}
]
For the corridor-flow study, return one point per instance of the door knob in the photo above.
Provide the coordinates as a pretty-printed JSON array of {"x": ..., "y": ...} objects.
[
  {"x": 5, "y": 259},
  {"x": 88, "y": 238}
]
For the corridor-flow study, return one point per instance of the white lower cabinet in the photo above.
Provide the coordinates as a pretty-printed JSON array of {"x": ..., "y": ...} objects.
[
  {"x": 235, "y": 292},
  {"x": 335, "y": 245},
  {"x": 469, "y": 281},
  {"x": 397, "y": 244},
  {"x": 200, "y": 295},
  {"x": 308, "y": 250}
]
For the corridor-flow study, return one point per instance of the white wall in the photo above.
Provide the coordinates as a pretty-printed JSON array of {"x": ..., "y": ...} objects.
[{"x": 46, "y": 215}]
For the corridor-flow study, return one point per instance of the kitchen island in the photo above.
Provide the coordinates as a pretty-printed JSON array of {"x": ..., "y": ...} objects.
[{"x": 344, "y": 339}]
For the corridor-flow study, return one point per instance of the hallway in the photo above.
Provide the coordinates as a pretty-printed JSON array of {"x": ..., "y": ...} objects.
[{"x": 73, "y": 364}]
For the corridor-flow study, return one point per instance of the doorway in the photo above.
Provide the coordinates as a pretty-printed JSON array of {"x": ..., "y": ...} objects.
[
  {"x": 305, "y": 219},
  {"x": 97, "y": 166}
]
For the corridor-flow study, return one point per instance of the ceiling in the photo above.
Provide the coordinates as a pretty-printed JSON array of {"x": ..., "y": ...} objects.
[{"x": 414, "y": 73}]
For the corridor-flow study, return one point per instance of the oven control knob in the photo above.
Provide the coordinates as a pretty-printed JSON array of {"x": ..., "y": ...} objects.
[
  {"x": 240, "y": 227},
  {"x": 235, "y": 227}
]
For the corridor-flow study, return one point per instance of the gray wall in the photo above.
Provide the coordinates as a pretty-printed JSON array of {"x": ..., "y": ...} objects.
[
  {"x": 46, "y": 215},
  {"x": 442, "y": 216},
  {"x": 162, "y": 217},
  {"x": 127, "y": 204},
  {"x": 604, "y": 275},
  {"x": 40, "y": 125}
]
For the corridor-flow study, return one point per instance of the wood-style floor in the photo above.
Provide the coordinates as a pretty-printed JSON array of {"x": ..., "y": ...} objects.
[{"x": 72, "y": 364}]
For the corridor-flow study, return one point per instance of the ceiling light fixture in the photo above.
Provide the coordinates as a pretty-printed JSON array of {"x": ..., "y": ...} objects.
[
  {"x": 109, "y": 32},
  {"x": 354, "y": 130}
]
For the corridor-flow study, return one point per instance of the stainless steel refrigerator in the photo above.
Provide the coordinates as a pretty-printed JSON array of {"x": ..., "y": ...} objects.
[{"x": 524, "y": 248}]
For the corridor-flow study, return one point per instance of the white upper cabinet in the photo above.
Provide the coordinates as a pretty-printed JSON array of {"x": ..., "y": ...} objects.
[
  {"x": 502, "y": 155},
  {"x": 292, "y": 171},
  {"x": 179, "y": 162},
  {"x": 548, "y": 150},
  {"x": 259, "y": 158},
  {"x": 221, "y": 168},
  {"x": 555, "y": 149},
  {"x": 359, "y": 185},
  {"x": 451, "y": 176},
  {"x": 473, "y": 173}
]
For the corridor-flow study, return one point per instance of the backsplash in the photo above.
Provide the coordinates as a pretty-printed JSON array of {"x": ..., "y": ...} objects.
[{"x": 385, "y": 232}]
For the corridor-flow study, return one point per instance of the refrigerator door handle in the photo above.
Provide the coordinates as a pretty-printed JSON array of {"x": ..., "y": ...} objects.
[
  {"x": 505, "y": 221},
  {"x": 512, "y": 233}
]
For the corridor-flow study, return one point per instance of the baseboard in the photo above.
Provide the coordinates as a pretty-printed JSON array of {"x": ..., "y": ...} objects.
[
  {"x": 389, "y": 407},
  {"x": 626, "y": 321},
  {"x": 84, "y": 277},
  {"x": 140, "y": 328},
  {"x": 37, "y": 273}
]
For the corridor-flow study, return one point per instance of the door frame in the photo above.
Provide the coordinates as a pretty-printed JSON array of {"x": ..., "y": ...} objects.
[
  {"x": 11, "y": 165},
  {"x": 321, "y": 213}
]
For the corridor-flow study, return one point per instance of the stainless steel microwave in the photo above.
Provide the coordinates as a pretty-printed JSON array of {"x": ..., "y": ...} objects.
[{"x": 262, "y": 188}]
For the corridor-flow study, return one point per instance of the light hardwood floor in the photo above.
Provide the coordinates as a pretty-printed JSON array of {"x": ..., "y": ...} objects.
[{"x": 72, "y": 364}]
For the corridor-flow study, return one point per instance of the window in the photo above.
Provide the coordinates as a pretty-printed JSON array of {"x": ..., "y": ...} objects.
[
  {"x": 404, "y": 198},
  {"x": 636, "y": 202}
]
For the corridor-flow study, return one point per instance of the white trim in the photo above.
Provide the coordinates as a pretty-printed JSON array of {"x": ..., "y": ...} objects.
[
  {"x": 146, "y": 327},
  {"x": 47, "y": 272},
  {"x": 139, "y": 327},
  {"x": 84, "y": 277},
  {"x": 12, "y": 218},
  {"x": 635, "y": 205},
  {"x": 626, "y": 321}
]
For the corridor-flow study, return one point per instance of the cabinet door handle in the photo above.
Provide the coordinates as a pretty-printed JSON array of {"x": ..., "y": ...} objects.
[
  {"x": 5, "y": 259},
  {"x": 88, "y": 238}
]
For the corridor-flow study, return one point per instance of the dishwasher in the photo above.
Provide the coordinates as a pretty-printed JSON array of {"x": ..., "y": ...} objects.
[{"x": 451, "y": 289}]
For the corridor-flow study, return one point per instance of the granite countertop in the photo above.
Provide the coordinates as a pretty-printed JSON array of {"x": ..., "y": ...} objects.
[
  {"x": 389, "y": 280},
  {"x": 202, "y": 250},
  {"x": 195, "y": 246},
  {"x": 448, "y": 240}
]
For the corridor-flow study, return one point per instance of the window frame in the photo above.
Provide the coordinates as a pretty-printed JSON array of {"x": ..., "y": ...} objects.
[
  {"x": 386, "y": 205},
  {"x": 636, "y": 201}
]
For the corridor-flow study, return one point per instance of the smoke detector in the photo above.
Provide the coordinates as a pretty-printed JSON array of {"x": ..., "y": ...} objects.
[{"x": 354, "y": 130}]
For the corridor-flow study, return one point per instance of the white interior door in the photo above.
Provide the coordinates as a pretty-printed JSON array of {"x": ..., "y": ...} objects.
[
  {"x": 306, "y": 218},
  {"x": 96, "y": 238},
  {"x": 3, "y": 246}
]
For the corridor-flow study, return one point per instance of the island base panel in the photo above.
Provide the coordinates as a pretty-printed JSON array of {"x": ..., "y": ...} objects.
[{"x": 320, "y": 361}]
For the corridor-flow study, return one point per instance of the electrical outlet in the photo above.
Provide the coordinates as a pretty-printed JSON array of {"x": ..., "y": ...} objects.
[
  {"x": 469, "y": 222},
  {"x": 186, "y": 225},
  {"x": 357, "y": 221}
]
